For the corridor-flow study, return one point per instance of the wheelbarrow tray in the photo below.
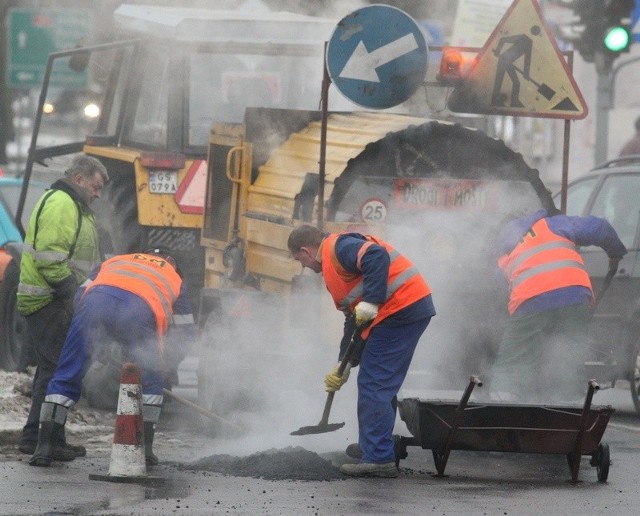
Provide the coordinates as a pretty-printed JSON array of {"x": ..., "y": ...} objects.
[
  {"x": 506, "y": 428},
  {"x": 443, "y": 426}
]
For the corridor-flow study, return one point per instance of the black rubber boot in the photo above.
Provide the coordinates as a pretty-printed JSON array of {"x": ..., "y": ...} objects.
[
  {"x": 52, "y": 419},
  {"x": 149, "y": 432},
  {"x": 77, "y": 449},
  {"x": 43, "y": 455}
]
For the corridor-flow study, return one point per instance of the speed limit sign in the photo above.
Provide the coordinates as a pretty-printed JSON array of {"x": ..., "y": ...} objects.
[{"x": 373, "y": 210}]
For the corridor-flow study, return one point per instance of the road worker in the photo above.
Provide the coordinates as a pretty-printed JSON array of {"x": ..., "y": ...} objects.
[
  {"x": 381, "y": 291},
  {"x": 131, "y": 299},
  {"x": 60, "y": 248},
  {"x": 550, "y": 304}
]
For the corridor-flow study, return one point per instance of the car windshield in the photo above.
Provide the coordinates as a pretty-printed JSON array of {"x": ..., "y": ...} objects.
[
  {"x": 578, "y": 195},
  {"x": 617, "y": 201}
]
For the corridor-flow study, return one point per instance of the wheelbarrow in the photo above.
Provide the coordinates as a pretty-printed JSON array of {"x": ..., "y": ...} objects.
[{"x": 445, "y": 426}]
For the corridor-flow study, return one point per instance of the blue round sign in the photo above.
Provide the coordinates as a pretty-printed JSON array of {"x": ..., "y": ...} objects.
[{"x": 377, "y": 56}]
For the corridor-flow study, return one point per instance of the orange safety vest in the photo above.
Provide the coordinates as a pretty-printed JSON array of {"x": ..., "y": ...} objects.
[
  {"x": 405, "y": 285},
  {"x": 541, "y": 262},
  {"x": 150, "y": 277}
]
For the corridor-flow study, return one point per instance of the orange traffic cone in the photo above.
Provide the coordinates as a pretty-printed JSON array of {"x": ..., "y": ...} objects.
[{"x": 127, "y": 453}]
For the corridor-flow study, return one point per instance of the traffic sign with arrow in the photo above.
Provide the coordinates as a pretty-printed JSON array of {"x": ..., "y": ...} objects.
[{"x": 377, "y": 56}]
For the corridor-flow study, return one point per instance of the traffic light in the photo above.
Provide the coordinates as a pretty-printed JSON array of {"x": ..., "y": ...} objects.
[{"x": 606, "y": 27}]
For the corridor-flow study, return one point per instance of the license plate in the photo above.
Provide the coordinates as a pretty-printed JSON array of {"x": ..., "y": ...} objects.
[{"x": 163, "y": 181}]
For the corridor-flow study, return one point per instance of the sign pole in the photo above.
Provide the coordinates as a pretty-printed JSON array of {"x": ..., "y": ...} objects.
[
  {"x": 326, "y": 82},
  {"x": 565, "y": 151}
]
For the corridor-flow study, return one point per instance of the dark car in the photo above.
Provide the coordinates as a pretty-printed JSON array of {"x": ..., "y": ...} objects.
[{"x": 612, "y": 191}]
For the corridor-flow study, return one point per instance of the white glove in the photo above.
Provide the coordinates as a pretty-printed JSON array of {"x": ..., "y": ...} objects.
[{"x": 365, "y": 312}]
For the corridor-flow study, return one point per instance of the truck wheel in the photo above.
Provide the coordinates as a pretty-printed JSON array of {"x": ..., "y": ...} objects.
[
  {"x": 117, "y": 215},
  {"x": 15, "y": 352}
]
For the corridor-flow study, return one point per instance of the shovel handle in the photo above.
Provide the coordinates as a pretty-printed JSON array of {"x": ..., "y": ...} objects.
[
  {"x": 344, "y": 364},
  {"x": 198, "y": 408},
  {"x": 350, "y": 350}
]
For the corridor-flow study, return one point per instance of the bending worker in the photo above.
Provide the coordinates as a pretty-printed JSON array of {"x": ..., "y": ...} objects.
[
  {"x": 550, "y": 303},
  {"x": 130, "y": 299},
  {"x": 369, "y": 279}
]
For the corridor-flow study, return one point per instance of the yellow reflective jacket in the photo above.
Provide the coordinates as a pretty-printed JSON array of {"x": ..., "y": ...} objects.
[{"x": 61, "y": 240}]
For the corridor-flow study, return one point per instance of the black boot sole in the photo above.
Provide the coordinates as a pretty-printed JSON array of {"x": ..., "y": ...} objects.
[{"x": 40, "y": 461}]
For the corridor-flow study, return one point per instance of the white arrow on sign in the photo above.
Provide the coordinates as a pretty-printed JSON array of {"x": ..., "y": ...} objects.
[
  {"x": 22, "y": 39},
  {"x": 362, "y": 64}
]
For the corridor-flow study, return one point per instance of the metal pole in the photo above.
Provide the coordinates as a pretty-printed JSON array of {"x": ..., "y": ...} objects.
[
  {"x": 614, "y": 75},
  {"x": 603, "y": 104},
  {"x": 326, "y": 81},
  {"x": 565, "y": 150}
]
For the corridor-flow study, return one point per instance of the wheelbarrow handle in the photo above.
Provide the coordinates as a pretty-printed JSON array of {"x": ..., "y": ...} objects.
[{"x": 606, "y": 282}]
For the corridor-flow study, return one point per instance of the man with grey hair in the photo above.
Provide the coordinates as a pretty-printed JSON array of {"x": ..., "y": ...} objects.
[{"x": 60, "y": 249}]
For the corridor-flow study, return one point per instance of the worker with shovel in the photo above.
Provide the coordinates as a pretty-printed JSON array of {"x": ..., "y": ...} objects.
[
  {"x": 131, "y": 299},
  {"x": 386, "y": 299}
]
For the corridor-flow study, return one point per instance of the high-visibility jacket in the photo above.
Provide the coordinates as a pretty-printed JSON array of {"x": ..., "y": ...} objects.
[
  {"x": 61, "y": 240},
  {"x": 541, "y": 262},
  {"x": 405, "y": 285},
  {"x": 151, "y": 278}
]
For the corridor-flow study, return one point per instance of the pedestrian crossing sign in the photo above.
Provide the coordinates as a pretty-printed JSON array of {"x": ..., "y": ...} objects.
[{"x": 520, "y": 71}]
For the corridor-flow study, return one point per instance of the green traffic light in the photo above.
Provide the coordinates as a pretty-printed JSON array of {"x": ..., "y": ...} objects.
[{"x": 617, "y": 39}]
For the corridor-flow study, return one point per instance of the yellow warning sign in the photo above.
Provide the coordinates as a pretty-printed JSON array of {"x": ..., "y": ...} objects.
[{"x": 520, "y": 71}]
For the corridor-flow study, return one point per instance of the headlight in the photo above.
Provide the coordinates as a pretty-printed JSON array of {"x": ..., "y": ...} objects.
[{"x": 92, "y": 110}]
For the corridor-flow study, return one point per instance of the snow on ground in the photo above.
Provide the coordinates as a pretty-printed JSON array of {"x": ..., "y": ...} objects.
[{"x": 84, "y": 424}]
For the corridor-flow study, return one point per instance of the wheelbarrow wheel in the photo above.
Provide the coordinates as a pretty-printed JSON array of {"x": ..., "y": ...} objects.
[
  {"x": 601, "y": 459},
  {"x": 634, "y": 379}
]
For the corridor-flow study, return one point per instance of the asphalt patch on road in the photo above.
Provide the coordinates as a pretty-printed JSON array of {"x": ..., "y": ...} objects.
[{"x": 292, "y": 463}]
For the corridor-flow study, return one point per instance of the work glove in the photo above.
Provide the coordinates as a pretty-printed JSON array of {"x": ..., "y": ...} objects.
[
  {"x": 365, "y": 312},
  {"x": 333, "y": 382},
  {"x": 64, "y": 292}
]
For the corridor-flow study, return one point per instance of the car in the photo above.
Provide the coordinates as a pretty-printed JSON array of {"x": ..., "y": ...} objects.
[
  {"x": 15, "y": 354},
  {"x": 612, "y": 191}
]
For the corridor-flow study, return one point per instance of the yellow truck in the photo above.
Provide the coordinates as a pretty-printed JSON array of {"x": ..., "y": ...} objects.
[{"x": 211, "y": 133}]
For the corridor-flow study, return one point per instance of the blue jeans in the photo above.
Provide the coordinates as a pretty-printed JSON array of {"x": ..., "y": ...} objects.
[{"x": 383, "y": 367}]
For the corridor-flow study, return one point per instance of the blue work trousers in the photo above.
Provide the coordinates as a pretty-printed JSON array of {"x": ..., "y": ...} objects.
[
  {"x": 107, "y": 314},
  {"x": 383, "y": 367}
]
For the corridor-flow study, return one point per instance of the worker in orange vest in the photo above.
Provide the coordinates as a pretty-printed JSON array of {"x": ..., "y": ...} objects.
[
  {"x": 131, "y": 299},
  {"x": 381, "y": 291},
  {"x": 550, "y": 303}
]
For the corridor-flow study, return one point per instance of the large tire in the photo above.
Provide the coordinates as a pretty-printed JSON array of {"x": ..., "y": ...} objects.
[
  {"x": 117, "y": 216},
  {"x": 634, "y": 377},
  {"x": 15, "y": 351}
]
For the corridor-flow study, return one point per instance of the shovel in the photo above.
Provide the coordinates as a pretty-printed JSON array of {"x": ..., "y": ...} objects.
[
  {"x": 324, "y": 426},
  {"x": 198, "y": 408}
]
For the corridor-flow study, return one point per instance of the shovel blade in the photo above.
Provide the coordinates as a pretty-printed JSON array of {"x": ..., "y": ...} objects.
[{"x": 318, "y": 429}]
